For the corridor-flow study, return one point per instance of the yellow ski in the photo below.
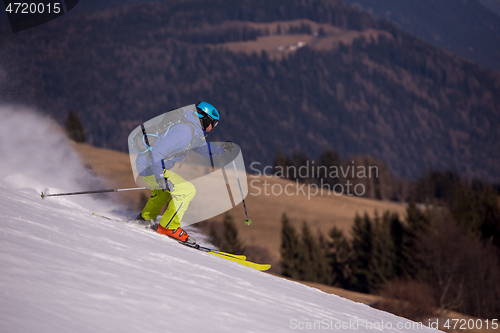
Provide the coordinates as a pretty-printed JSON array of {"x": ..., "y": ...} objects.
[
  {"x": 260, "y": 267},
  {"x": 236, "y": 256}
]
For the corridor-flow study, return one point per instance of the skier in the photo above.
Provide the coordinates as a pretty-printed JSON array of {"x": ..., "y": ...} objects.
[{"x": 156, "y": 169}]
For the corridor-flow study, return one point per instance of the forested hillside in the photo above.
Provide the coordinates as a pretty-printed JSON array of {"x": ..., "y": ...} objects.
[
  {"x": 493, "y": 5},
  {"x": 467, "y": 28},
  {"x": 391, "y": 96}
]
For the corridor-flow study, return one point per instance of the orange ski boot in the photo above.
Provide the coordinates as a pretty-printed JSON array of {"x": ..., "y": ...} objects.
[{"x": 178, "y": 234}]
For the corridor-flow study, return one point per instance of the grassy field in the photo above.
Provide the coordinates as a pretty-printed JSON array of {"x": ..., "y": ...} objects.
[{"x": 277, "y": 45}]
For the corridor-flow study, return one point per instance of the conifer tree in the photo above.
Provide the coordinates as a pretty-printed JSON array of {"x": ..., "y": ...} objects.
[
  {"x": 362, "y": 246},
  {"x": 215, "y": 239},
  {"x": 289, "y": 249},
  {"x": 225, "y": 237},
  {"x": 417, "y": 222},
  {"x": 476, "y": 208},
  {"x": 74, "y": 127},
  {"x": 280, "y": 162},
  {"x": 230, "y": 241},
  {"x": 399, "y": 236},
  {"x": 383, "y": 254},
  {"x": 307, "y": 252},
  {"x": 373, "y": 253},
  {"x": 298, "y": 160},
  {"x": 323, "y": 261},
  {"x": 327, "y": 160},
  {"x": 339, "y": 254},
  {"x": 312, "y": 260}
]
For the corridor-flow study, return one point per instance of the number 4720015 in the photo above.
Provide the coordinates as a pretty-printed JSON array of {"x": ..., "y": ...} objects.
[
  {"x": 33, "y": 8},
  {"x": 462, "y": 324}
]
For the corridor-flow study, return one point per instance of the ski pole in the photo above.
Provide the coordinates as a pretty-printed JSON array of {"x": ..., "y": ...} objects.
[
  {"x": 46, "y": 194},
  {"x": 247, "y": 221}
]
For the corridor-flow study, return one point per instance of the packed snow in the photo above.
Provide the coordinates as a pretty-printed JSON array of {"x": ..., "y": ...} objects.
[{"x": 64, "y": 270}]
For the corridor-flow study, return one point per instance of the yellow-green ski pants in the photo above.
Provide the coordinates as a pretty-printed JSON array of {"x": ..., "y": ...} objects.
[{"x": 178, "y": 200}]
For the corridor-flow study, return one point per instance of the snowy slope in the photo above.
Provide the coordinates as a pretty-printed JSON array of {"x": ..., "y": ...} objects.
[{"x": 63, "y": 270}]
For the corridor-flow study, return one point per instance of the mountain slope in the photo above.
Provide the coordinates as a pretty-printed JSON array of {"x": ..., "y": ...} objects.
[
  {"x": 381, "y": 92},
  {"x": 64, "y": 270},
  {"x": 493, "y": 5},
  {"x": 465, "y": 28}
]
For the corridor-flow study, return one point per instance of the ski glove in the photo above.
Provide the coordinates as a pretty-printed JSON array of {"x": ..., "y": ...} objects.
[
  {"x": 165, "y": 186},
  {"x": 228, "y": 146}
]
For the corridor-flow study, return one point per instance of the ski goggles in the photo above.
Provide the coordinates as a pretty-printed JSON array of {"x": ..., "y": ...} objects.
[{"x": 214, "y": 122}]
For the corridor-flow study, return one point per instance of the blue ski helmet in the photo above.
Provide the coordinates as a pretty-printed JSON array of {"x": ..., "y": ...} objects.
[{"x": 208, "y": 113}]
